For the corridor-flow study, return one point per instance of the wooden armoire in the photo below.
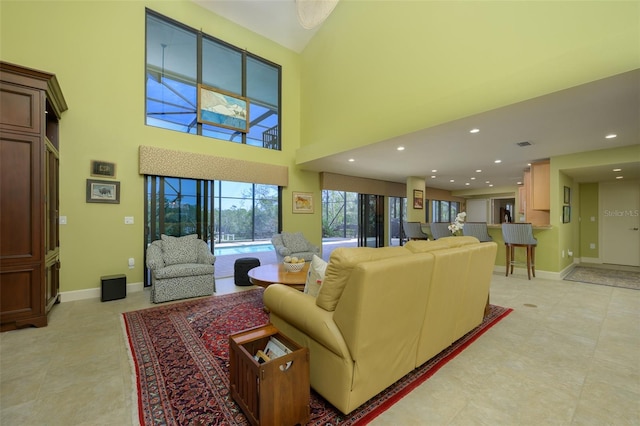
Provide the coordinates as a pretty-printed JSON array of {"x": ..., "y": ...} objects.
[{"x": 31, "y": 104}]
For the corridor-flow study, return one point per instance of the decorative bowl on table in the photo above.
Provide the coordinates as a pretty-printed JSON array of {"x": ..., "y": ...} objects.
[{"x": 293, "y": 264}]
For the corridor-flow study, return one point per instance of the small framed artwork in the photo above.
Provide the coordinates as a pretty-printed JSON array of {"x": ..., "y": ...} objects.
[
  {"x": 219, "y": 108},
  {"x": 567, "y": 195},
  {"x": 302, "y": 202},
  {"x": 566, "y": 214},
  {"x": 418, "y": 198},
  {"x": 103, "y": 191},
  {"x": 103, "y": 169}
]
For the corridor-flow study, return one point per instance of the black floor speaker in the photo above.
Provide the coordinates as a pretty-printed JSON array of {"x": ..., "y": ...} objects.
[{"x": 113, "y": 287}]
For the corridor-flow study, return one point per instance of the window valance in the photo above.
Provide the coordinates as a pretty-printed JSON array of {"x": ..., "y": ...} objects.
[
  {"x": 337, "y": 182},
  {"x": 167, "y": 162}
]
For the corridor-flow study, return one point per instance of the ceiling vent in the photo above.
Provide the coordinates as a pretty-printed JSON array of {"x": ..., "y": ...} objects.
[{"x": 525, "y": 143}]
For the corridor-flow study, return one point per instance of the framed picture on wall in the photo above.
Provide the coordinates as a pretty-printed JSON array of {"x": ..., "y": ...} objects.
[
  {"x": 103, "y": 191},
  {"x": 103, "y": 169},
  {"x": 418, "y": 198},
  {"x": 302, "y": 202},
  {"x": 566, "y": 214},
  {"x": 567, "y": 195},
  {"x": 219, "y": 108}
]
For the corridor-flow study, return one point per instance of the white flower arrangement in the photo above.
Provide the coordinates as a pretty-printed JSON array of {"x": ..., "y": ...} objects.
[{"x": 457, "y": 226}]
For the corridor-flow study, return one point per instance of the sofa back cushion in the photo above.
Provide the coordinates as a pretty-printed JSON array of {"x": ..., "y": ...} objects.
[
  {"x": 176, "y": 250},
  {"x": 341, "y": 263}
]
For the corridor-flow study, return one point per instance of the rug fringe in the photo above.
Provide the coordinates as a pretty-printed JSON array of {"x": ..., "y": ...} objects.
[{"x": 135, "y": 392}]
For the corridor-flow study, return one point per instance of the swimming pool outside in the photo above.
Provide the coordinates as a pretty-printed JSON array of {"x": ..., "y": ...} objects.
[{"x": 224, "y": 249}]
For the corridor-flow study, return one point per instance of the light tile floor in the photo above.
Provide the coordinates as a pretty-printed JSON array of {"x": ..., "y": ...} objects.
[{"x": 569, "y": 354}]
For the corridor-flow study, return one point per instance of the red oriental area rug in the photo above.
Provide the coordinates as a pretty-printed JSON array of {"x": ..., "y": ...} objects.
[{"x": 180, "y": 357}]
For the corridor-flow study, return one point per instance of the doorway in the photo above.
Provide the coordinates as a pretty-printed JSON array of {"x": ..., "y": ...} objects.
[{"x": 620, "y": 223}]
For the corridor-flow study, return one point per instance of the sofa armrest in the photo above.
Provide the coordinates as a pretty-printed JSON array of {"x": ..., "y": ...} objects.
[
  {"x": 154, "y": 257},
  {"x": 300, "y": 311},
  {"x": 204, "y": 254}
]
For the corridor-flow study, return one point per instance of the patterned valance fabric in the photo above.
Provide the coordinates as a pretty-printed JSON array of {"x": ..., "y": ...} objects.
[{"x": 156, "y": 161}]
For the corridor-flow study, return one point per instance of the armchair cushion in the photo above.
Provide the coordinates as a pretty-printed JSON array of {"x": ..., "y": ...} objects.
[
  {"x": 295, "y": 241},
  {"x": 176, "y": 250}
]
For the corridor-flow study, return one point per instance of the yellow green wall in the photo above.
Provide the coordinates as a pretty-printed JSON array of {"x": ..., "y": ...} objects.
[
  {"x": 96, "y": 49},
  {"x": 378, "y": 69},
  {"x": 588, "y": 228}
]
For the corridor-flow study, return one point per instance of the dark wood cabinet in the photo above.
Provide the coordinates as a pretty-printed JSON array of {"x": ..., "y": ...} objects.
[{"x": 31, "y": 105}]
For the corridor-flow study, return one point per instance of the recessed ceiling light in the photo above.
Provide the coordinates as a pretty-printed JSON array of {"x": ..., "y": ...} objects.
[
  {"x": 618, "y": 177},
  {"x": 473, "y": 178},
  {"x": 488, "y": 181},
  {"x": 518, "y": 183},
  {"x": 433, "y": 176},
  {"x": 434, "y": 171},
  {"x": 474, "y": 130},
  {"x": 611, "y": 136},
  {"x": 617, "y": 170},
  {"x": 452, "y": 180},
  {"x": 351, "y": 160},
  {"x": 491, "y": 185},
  {"x": 467, "y": 183},
  {"x": 478, "y": 171},
  {"x": 400, "y": 148},
  {"x": 498, "y": 161}
]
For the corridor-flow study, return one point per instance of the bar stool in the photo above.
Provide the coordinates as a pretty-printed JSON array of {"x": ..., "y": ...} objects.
[
  {"x": 440, "y": 230},
  {"x": 519, "y": 235},
  {"x": 478, "y": 230}
]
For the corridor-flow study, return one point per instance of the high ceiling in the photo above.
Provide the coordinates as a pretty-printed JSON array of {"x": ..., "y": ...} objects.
[{"x": 569, "y": 121}]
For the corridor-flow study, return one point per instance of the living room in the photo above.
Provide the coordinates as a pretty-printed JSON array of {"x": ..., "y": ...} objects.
[
  {"x": 105, "y": 122},
  {"x": 97, "y": 51}
]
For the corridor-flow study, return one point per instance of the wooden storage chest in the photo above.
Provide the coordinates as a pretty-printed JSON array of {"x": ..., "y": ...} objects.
[{"x": 275, "y": 392}]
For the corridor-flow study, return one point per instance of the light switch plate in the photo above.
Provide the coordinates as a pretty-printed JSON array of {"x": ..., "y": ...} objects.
[
  {"x": 62, "y": 220},
  {"x": 128, "y": 220}
]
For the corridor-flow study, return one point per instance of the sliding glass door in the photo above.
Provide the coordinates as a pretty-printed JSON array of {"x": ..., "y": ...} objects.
[
  {"x": 232, "y": 216},
  {"x": 370, "y": 220}
]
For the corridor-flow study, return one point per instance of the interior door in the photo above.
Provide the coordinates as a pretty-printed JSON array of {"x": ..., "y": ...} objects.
[
  {"x": 620, "y": 223},
  {"x": 371, "y": 220}
]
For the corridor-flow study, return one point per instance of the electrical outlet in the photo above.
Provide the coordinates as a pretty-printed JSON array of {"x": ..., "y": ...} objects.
[
  {"x": 128, "y": 220},
  {"x": 592, "y": 246}
]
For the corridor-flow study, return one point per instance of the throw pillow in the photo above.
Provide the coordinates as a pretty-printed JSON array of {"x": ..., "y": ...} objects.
[
  {"x": 315, "y": 276},
  {"x": 177, "y": 250},
  {"x": 295, "y": 241}
]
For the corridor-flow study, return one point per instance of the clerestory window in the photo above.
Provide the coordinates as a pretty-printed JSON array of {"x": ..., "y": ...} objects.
[{"x": 179, "y": 58}]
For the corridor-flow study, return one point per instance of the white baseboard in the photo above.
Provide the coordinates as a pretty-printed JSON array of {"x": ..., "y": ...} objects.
[
  {"x": 590, "y": 260},
  {"x": 547, "y": 275},
  {"x": 94, "y": 293}
]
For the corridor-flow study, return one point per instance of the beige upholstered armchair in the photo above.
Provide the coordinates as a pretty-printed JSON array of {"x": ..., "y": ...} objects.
[
  {"x": 181, "y": 267},
  {"x": 293, "y": 244}
]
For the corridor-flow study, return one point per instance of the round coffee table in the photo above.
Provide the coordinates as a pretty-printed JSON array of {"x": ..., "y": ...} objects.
[{"x": 266, "y": 275}]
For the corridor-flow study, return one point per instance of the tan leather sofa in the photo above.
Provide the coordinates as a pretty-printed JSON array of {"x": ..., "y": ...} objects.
[{"x": 382, "y": 312}]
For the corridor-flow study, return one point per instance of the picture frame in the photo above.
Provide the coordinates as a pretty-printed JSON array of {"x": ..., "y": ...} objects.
[
  {"x": 567, "y": 195},
  {"x": 223, "y": 109},
  {"x": 302, "y": 202},
  {"x": 566, "y": 214},
  {"x": 103, "y": 169},
  {"x": 418, "y": 199},
  {"x": 103, "y": 191}
]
